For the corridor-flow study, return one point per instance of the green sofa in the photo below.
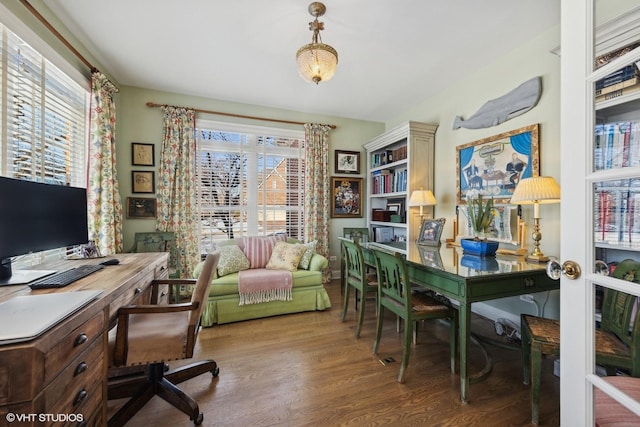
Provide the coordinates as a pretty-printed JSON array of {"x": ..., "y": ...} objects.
[{"x": 223, "y": 304}]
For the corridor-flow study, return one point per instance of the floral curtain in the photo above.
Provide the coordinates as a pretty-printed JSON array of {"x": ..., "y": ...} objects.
[
  {"x": 105, "y": 205},
  {"x": 317, "y": 189},
  {"x": 176, "y": 191}
]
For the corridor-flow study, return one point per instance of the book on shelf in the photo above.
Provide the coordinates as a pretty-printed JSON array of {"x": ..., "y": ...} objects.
[
  {"x": 615, "y": 219},
  {"x": 617, "y": 145},
  {"x": 617, "y": 86},
  {"x": 618, "y": 93},
  {"x": 383, "y": 234},
  {"x": 626, "y": 73}
]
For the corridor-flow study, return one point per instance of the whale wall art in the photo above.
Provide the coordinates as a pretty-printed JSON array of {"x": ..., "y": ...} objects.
[{"x": 499, "y": 110}]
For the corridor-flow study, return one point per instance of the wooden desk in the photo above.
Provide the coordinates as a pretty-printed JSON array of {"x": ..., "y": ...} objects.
[
  {"x": 64, "y": 370},
  {"x": 468, "y": 279}
]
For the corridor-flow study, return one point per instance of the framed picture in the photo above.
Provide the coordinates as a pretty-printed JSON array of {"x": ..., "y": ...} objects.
[
  {"x": 138, "y": 207},
  {"x": 431, "y": 231},
  {"x": 396, "y": 207},
  {"x": 346, "y": 200},
  {"x": 347, "y": 161},
  {"x": 493, "y": 166},
  {"x": 142, "y": 154},
  {"x": 142, "y": 182}
]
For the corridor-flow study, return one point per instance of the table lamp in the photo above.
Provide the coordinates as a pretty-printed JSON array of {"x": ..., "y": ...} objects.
[
  {"x": 422, "y": 198},
  {"x": 536, "y": 191}
]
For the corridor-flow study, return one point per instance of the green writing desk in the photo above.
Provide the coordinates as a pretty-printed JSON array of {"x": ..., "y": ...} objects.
[{"x": 468, "y": 279}]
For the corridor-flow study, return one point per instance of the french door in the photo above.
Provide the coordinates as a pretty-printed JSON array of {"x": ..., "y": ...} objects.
[{"x": 600, "y": 39}]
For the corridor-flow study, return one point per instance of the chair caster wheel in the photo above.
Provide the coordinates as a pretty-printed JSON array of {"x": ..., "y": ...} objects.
[
  {"x": 215, "y": 372},
  {"x": 199, "y": 419}
]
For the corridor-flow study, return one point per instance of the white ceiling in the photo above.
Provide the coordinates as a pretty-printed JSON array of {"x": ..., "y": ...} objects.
[{"x": 392, "y": 54}]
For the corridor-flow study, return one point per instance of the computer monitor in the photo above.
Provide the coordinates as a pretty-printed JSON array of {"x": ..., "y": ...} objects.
[{"x": 36, "y": 217}]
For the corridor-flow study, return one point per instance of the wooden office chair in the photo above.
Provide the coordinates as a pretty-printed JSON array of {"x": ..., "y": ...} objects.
[
  {"x": 617, "y": 342},
  {"x": 394, "y": 294},
  {"x": 152, "y": 335},
  {"x": 357, "y": 277}
]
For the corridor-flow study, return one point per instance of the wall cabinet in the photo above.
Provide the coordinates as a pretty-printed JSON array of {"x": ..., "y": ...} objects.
[{"x": 399, "y": 162}]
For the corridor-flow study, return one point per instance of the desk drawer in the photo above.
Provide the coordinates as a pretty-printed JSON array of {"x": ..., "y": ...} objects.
[
  {"x": 78, "y": 375},
  {"x": 510, "y": 285},
  {"x": 71, "y": 346},
  {"x": 76, "y": 405},
  {"x": 130, "y": 296}
]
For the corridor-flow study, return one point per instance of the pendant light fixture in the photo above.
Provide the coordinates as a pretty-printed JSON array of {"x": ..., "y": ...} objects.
[{"x": 316, "y": 61}]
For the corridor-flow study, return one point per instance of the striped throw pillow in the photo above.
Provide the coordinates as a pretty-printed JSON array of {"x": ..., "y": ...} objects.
[{"x": 258, "y": 249}]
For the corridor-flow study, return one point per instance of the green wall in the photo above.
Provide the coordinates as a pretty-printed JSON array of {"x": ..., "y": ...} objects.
[{"x": 139, "y": 123}]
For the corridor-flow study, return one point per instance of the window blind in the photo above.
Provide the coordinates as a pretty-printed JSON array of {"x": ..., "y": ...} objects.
[
  {"x": 250, "y": 181},
  {"x": 43, "y": 121}
]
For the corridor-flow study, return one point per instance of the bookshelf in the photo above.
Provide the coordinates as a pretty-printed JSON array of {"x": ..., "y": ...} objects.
[
  {"x": 616, "y": 156},
  {"x": 399, "y": 161}
]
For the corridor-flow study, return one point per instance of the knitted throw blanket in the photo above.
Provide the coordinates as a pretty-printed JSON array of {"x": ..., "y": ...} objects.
[{"x": 258, "y": 285}]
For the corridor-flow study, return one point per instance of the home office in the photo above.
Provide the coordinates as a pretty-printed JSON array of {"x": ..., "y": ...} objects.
[{"x": 141, "y": 124}]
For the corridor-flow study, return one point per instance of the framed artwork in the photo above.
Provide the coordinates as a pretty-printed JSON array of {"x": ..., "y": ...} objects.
[
  {"x": 430, "y": 232},
  {"x": 346, "y": 200},
  {"x": 142, "y": 154},
  {"x": 493, "y": 166},
  {"x": 142, "y": 182},
  {"x": 347, "y": 161},
  {"x": 396, "y": 206},
  {"x": 139, "y": 207}
]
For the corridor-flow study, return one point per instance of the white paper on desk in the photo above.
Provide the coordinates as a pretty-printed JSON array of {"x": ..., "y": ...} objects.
[{"x": 25, "y": 317}]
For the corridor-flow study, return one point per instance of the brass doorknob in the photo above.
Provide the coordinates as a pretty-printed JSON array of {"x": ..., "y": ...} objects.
[{"x": 571, "y": 269}]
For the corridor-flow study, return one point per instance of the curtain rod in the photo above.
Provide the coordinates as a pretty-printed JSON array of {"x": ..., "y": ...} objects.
[
  {"x": 58, "y": 35},
  {"x": 219, "y": 113}
]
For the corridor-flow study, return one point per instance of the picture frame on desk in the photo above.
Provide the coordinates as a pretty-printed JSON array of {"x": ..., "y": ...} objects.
[
  {"x": 430, "y": 232},
  {"x": 493, "y": 166},
  {"x": 347, "y": 161},
  {"x": 346, "y": 197}
]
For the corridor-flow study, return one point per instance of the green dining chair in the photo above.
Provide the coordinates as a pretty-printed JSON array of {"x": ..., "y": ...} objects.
[
  {"x": 358, "y": 278},
  {"x": 395, "y": 295},
  {"x": 617, "y": 339}
]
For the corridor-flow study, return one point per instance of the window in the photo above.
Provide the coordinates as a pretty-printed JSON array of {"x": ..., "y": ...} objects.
[
  {"x": 250, "y": 181},
  {"x": 44, "y": 115}
]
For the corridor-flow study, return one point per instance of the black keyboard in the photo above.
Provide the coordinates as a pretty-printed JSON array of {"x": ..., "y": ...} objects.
[{"x": 66, "y": 277}]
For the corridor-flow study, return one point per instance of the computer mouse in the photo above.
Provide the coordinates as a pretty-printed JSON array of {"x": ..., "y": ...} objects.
[{"x": 112, "y": 261}]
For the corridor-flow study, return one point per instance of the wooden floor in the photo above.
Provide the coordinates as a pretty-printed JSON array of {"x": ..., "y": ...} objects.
[{"x": 308, "y": 369}]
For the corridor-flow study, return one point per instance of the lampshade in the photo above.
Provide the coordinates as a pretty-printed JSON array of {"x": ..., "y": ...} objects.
[
  {"x": 537, "y": 189},
  {"x": 422, "y": 198},
  {"x": 316, "y": 61}
]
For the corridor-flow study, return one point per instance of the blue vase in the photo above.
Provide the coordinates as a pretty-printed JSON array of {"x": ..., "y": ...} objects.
[{"x": 479, "y": 247}]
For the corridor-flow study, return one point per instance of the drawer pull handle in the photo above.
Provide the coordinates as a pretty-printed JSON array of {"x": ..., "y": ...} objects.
[
  {"x": 82, "y": 394},
  {"x": 81, "y": 339},
  {"x": 80, "y": 369},
  {"x": 137, "y": 291}
]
